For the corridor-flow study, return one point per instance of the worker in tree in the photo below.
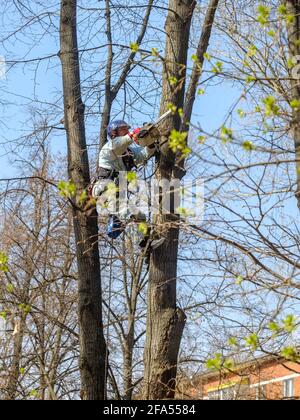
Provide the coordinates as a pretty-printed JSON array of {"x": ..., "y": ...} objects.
[{"x": 122, "y": 153}]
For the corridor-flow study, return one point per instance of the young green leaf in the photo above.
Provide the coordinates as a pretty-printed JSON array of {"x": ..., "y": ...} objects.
[
  {"x": 295, "y": 104},
  {"x": 248, "y": 146},
  {"x": 3, "y": 262},
  {"x": 143, "y": 228},
  {"x": 290, "y": 353},
  {"x": 271, "y": 107},
  {"x": 177, "y": 142},
  {"x": 290, "y": 323},
  {"x": 171, "y": 107},
  {"x": 3, "y": 315},
  {"x": 10, "y": 288},
  {"x": 252, "y": 341},
  {"x": 131, "y": 176},
  {"x": 134, "y": 47},
  {"x": 232, "y": 342},
  {"x": 66, "y": 189},
  {"x": 263, "y": 14},
  {"x": 173, "y": 80},
  {"x": 226, "y": 134}
]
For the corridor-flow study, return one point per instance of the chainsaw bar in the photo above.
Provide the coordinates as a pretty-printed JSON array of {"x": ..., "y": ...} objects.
[{"x": 144, "y": 132}]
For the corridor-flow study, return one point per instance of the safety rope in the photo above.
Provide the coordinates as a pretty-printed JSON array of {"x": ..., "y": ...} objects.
[{"x": 157, "y": 155}]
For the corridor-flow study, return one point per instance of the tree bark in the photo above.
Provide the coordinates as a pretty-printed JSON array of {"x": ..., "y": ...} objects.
[
  {"x": 165, "y": 322},
  {"x": 198, "y": 65},
  {"x": 293, "y": 29},
  {"x": 92, "y": 343},
  {"x": 14, "y": 372},
  {"x": 128, "y": 359}
]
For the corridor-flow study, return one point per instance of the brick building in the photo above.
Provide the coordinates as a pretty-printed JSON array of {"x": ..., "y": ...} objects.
[{"x": 266, "y": 378}]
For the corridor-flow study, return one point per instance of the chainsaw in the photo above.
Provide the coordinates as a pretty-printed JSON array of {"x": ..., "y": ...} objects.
[{"x": 149, "y": 133}]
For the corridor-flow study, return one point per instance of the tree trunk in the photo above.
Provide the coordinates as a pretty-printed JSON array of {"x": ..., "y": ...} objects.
[
  {"x": 293, "y": 29},
  {"x": 92, "y": 343},
  {"x": 165, "y": 322},
  {"x": 20, "y": 326},
  {"x": 108, "y": 93},
  {"x": 14, "y": 372},
  {"x": 128, "y": 359}
]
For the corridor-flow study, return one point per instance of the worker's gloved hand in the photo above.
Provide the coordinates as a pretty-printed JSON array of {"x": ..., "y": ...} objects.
[{"x": 134, "y": 134}]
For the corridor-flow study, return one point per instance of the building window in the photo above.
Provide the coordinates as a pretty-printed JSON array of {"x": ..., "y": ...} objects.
[
  {"x": 261, "y": 393},
  {"x": 215, "y": 395},
  {"x": 288, "y": 388},
  {"x": 228, "y": 393}
]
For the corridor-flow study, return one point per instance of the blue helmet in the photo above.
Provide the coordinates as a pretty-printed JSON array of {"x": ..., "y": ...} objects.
[{"x": 114, "y": 125}]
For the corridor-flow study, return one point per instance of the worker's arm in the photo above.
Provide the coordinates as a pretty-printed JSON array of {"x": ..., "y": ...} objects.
[
  {"x": 120, "y": 144},
  {"x": 142, "y": 154}
]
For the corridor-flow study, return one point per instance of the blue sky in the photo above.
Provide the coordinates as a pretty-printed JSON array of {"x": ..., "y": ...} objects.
[{"x": 20, "y": 93}]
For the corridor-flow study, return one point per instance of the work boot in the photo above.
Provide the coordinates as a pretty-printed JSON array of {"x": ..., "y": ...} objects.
[
  {"x": 153, "y": 244},
  {"x": 156, "y": 243},
  {"x": 144, "y": 242}
]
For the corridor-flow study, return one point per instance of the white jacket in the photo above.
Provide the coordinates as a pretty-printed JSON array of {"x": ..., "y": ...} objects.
[{"x": 110, "y": 156}]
